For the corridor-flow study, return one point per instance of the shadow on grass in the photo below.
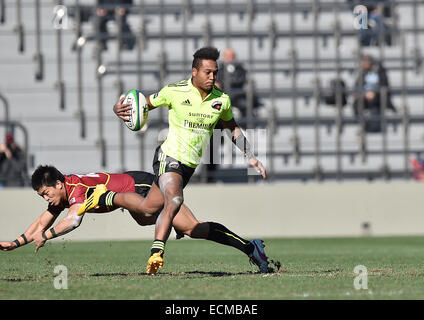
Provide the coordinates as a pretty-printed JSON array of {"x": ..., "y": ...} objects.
[
  {"x": 15, "y": 279},
  {"x": 213, "y": 274},
  {"x": 178, "y": 274},
  {"x": 182, "y": 274}
]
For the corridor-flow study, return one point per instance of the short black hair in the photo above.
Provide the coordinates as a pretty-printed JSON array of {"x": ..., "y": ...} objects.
[
  {"x": 46, "y": 176},
  {"x": 205, "y": 53}
]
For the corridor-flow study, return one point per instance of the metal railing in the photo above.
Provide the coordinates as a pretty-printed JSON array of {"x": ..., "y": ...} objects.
[{"x": 293, "y": 65}]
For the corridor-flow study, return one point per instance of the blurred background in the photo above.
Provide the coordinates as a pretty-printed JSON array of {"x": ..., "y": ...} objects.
[{"x": 332, "y": 89}]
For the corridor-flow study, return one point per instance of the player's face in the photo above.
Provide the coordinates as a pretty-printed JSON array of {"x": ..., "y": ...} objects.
[
  {"x": 53, "y": 195},
  {"x": 205, "y": 77}
]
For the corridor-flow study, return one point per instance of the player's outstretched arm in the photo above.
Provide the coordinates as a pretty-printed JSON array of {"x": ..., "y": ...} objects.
[
  {"x": 238, "y": 138},
  {"x": 39, "y": 225},
  {"x": 67, "y": 224}
]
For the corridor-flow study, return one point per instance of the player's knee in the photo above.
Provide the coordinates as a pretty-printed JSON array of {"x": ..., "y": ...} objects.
[
  {"x": 178, "y": 200},
  {"x": 175, "y": 202},
  {"x": 172, "y": 206}
]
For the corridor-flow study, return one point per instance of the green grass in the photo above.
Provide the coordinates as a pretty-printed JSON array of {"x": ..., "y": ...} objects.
[{"x": 198, "y": 269}]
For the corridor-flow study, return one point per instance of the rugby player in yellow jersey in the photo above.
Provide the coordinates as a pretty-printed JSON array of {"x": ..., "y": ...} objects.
[{"x": 195, "y": 106}]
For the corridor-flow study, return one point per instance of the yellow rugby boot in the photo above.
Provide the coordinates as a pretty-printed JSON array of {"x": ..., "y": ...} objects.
[
  {"x": 154, "y": 263},
  {"x": 93, "y": 200}
]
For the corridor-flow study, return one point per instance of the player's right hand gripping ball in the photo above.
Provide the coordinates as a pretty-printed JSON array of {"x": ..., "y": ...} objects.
[{"x": 137, "y": 117}]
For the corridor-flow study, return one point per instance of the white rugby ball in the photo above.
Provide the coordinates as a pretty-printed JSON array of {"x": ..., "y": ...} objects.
[{"x": 137, "y": 116}]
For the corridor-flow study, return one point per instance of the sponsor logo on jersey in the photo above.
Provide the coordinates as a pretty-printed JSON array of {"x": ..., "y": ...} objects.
[
  {"x": 217, "y": 105},
  {"x": 202, "y": 115},
  {"x": 186, "y": 103},
  {"x": 72, "y": 201},
  {"x": 197, "y": 125},
  {"x": 155, "y": 95}
]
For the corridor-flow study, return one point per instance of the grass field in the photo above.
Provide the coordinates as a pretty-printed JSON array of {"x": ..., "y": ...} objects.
[{"x": 197, "y": 269}]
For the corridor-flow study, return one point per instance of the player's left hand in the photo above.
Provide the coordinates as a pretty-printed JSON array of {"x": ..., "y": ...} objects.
[
  {"x": 39, "y": 241},
  {"x": 255, "y": 163}
]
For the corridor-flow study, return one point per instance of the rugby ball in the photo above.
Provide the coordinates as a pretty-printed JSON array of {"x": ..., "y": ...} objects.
[{"x": 137, "y": 116}]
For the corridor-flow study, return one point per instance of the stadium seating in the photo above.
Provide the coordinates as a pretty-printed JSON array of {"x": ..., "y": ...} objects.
[{"x": 78, "y": 132}]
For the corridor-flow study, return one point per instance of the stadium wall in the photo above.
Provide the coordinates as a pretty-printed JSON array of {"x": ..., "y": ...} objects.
[{"x": 279, "y": 210}]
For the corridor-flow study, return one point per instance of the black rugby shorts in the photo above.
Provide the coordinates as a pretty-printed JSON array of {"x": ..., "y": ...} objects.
[{"x": 163, "y": 163}]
